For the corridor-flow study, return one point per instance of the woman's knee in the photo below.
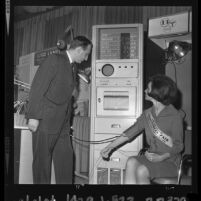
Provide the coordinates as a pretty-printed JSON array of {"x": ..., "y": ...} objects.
[
  {"x": 132, "y": 162},
  {"x": 142, "y": 171}
]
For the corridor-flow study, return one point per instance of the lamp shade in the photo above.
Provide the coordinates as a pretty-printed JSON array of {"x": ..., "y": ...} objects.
[{"x": 177, "y": 50}]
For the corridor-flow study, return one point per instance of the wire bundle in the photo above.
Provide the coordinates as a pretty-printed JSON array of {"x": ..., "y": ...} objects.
[{"x": 22, "y": 84}]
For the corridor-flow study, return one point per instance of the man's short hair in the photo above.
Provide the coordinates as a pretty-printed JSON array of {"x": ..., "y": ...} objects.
[
  {"x": 80, "y": 41},
  {"x": 163, "y": 89}
]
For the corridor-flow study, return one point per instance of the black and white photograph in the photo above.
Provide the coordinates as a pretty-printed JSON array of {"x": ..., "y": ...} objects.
[{"x": 103, "y": 97}]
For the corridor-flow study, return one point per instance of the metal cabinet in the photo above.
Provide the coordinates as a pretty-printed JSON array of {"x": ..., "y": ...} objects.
[{"x": 116, "y": 96}]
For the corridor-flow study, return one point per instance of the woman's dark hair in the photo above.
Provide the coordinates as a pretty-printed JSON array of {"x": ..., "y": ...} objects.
[
  {"x": 80, "y": 41},
  {"x": 163, "y": 89}
]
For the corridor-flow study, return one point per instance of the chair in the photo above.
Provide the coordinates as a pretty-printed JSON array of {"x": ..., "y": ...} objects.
[{"x": 184, "y": 173}]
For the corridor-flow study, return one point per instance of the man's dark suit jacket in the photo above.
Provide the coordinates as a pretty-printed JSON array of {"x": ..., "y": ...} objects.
[{"x": 51, "y": 93}]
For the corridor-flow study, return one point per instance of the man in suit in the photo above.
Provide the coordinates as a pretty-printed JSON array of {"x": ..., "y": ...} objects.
[{"x": 49, "y": 112}]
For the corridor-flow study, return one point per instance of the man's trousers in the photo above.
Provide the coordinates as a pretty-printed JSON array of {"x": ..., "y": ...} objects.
[{"x": 48, "y": 147}]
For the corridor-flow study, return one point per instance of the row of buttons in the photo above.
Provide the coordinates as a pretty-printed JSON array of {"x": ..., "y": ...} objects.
[{"x": 121, "y": 67}]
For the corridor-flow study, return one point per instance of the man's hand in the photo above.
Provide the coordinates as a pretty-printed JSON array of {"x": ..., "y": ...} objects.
[
  {"x": 33, "y": 124},
  {"x": 76, "y": 109}
]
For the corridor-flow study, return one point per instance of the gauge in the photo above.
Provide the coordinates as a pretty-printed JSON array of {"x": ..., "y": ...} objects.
[{"x": 107, "y": 70}]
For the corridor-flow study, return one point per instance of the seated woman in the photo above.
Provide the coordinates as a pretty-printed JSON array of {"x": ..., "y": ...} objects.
[{"x": 163, "y": 126}]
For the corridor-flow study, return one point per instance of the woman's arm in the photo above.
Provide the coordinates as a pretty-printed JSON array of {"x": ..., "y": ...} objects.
[
  {"x": 120, "y": 140},
  {"x": 127, "y": 135}
]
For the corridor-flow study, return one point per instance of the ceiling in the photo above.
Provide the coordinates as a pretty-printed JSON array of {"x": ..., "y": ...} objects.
[{"x": 24, "y": 12}]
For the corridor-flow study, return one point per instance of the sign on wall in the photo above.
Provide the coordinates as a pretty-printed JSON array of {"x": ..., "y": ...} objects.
[
  {"x": 172, "y": 24},
  {"x": 40, "y": 56}
]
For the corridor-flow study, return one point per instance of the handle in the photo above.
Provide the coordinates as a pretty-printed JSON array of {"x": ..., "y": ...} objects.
[
  {"x": 115, "y": 126},
  {"x": 115, "y": 159}
]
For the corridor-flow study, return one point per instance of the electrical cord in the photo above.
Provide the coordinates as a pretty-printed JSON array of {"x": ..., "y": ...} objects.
[
  {"x": 175, "y": 71},
  {"x": 96, "y": 142},
  {"x": 91, "y": 172},
  {"x": 176, "y": 83},
  {"x": 77, "y": 140},
  {"x": 173, "y": 62},
  {"x": 22, "y": 84}
]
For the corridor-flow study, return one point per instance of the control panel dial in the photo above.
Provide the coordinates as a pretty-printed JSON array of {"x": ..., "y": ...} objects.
[{"x": 107, "y": 70}]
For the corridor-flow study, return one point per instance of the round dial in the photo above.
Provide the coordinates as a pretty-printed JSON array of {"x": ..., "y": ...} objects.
[{"x": 107, "y": 70}]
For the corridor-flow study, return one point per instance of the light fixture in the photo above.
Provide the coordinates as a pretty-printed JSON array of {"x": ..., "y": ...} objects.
[
  {"x": 177, "y": 50},
  {"x": 63, "y": 40}
]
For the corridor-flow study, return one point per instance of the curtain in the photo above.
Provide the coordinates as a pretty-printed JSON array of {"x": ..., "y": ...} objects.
[
  {"x": 42, "y": 31},
  {"x": 123, "y": 14}
]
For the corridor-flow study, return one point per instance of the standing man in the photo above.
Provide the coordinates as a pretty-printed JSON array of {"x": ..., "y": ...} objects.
[{"x": 49, "y": 113}]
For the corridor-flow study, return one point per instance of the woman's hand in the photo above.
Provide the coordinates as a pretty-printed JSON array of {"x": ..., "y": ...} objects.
[
  {"x": 108, "y": 149},
  {"x": 105, "y": 152},
  {"x": 153, "y": 157}
]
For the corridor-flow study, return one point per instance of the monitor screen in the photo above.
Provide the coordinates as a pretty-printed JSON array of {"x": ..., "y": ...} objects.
[
  {"x": 118, "y": 43},
  {"x": 116, "y": 100}
]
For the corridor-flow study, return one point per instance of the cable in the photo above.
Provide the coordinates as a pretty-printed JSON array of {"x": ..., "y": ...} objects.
[
  {"x": 93, "y": 142},
  {"x": 91, "y": 172},
  {"x": 175, "y": 71},
  {"x": 173, "y": 62},
  {"x": 19, "y": 81},
  {"x": 80, "y": 144},
  {"x": 74, "y": 140},
  {"x": 96, "y": 142},
  {"x": 22, "y": 84}
]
